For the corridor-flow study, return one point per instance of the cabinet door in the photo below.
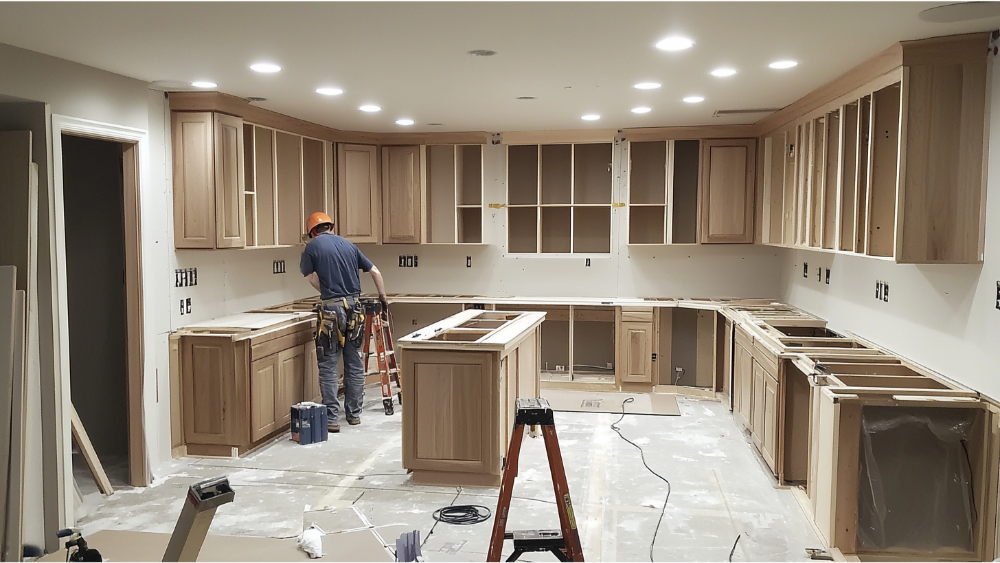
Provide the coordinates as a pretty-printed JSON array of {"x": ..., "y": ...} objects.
[
  {"x": 230, "y": 205},
  {"x": 770, "y": 430},
  {"x": 757, "y": 410},
  {"x": 288, "y": 385},
  {"x": 194, "y": 179},
  {"x": 263, "y": 417},
  {"x": 358, "y": 193},
  {"x": 727, "y": 190},
  {"x": 207, "y": 379},
  {"x": 637, "y": 352},
  {"x": 401, "y": 194}
]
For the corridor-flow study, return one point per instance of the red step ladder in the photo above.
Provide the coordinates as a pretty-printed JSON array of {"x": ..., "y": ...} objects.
[
  {"x": 564, "y": 543},
  {"x": 378, "y": 326}
]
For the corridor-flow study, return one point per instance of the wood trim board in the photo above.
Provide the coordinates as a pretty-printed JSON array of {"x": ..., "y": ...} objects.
[{"x": 87, "y": 449}]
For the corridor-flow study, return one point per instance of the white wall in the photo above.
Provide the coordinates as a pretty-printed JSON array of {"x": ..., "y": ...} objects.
[{"x": 941, "y": 316}]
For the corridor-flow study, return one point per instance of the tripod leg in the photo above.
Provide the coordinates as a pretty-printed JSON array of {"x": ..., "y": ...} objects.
[{"x": 506, "y": 491}]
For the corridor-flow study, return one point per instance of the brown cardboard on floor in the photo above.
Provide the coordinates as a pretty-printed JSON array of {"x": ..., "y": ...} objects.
[
  {"x": 597, "y": 401},
  {"x": 119, "y": 545}
]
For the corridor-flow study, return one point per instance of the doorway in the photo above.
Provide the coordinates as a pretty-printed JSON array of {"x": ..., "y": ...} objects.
[{"x": 101, "y": 232}]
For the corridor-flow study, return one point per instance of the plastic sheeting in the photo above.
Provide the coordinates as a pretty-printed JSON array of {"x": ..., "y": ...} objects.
[{"x": 915, "y": 482}]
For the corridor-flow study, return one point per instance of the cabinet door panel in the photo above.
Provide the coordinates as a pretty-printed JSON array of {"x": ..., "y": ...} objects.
[
  {"x": 313, "y": 182},
  {"x": 727, "y": 190},
  {"x": 263, "y": 420},
  {"x": 770, "y": 438},
  {"x": 194, "y": 180},
  {"x": 637, "y": 352},
  {"x": 230, "y": 205},
  {"x": 358, "y": 193},
  {"x": 288, "y": 385},
  {"x": 757, "y": 410},
  {"x": 401, "y": 194},
  {"x": 744, "y": 385},
  {"x": 207, "y": 380}
]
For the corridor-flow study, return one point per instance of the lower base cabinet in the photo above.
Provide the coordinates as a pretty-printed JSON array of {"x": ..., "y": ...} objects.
[{"x": 238, "y": 386}]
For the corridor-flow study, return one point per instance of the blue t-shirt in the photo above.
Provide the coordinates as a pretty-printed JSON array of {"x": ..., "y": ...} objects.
[{"x": 336, "y": 261}]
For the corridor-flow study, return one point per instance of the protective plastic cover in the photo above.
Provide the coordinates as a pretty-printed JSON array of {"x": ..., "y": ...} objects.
[{"x": 915, "y": 484}]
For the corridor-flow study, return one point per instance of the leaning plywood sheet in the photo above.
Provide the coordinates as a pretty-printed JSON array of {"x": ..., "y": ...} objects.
[
  {"x": 8, "y": 337},
  {"x": 80, "y": 433},
  {"x": 119, "y": 545},
  {"x": 13, "y": 534}
]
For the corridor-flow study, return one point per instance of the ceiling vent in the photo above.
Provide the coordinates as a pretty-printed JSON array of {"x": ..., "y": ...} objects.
[
  {"x": 253, "y": 99},
  {"x": 722, "y": 112}
]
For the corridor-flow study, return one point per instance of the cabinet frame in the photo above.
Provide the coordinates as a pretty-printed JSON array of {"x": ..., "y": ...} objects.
[{"x": 747, "y": 190}]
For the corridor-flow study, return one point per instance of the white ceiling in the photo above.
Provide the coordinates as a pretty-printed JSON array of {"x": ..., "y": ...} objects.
[{"x": 410, "y": 58}]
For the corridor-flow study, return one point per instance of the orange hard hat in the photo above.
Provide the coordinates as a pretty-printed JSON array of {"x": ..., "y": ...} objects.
[{"x": 317, "y": 219}]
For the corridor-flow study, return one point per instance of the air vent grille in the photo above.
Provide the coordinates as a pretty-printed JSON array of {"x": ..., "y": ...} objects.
[{"x": 722, "y": 112}]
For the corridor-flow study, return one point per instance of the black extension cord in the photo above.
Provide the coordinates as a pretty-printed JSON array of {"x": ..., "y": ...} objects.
[
  {"x": 642, "y": 454},
  {"x": 463, "y": 514}
]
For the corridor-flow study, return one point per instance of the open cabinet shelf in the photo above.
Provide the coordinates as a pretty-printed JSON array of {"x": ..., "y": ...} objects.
[{"x": 559, "y": 198}]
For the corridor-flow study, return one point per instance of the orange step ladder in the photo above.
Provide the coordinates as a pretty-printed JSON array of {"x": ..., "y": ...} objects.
[
  {"x": 378, "y": 326},
  {"x": 564, "y": 543}
]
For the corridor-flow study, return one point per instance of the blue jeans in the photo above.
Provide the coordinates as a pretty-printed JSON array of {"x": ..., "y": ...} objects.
[{"x": 354, "y": 381}]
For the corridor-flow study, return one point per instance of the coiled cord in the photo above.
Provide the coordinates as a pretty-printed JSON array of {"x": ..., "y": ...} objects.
[{"x": 463, "y": 514}]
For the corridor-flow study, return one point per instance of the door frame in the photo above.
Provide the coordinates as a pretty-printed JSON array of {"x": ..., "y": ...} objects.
[{"x": 135, "y": 164}]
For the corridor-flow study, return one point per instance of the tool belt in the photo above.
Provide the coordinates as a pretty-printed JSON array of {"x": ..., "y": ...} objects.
[{"x": 339, "y": 322}]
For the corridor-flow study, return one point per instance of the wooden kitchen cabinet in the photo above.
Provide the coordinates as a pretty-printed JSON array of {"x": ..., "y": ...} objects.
[
  {"x": 401, "y": 189},
  {"x": 238, "y": 378},
  {"x": 742, "y": 383},
  {"x": 462, "y": 376},
  {"x": 636, "y": 340},
  {"x": 728, "y": 170},
  {"x": 769, "y": 440},
  {"x": 358, "y": 211},
  {"x": 208, "y": 172},
  {"x": 757, "y": 407}
]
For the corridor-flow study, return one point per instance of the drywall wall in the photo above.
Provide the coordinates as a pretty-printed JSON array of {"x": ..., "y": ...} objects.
[
  {"x": 95, "y": 262},
  {"x": 941, "y": 316}
]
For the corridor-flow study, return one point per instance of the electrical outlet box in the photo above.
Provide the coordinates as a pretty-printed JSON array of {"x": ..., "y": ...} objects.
[
  {"x": 186, "y": 277},
  {"x": 998, "y": 295},
  {"x": 828, "y": 276},
  {"x": 468, "y": 261},
  {"x": 878, "y": 290},
  {"x": 885, "y": 291},
  {"x": 278, "y": 267},
  {"x": 588, "y": 262},
  {"x": 819, "y": 274},
  {"x": 805, "y": 269},
  {"x": 402, "y": 261}
]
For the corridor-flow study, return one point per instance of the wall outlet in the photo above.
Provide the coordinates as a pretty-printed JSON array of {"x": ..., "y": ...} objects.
[
  {"x": 878, "y": 289},
  {"x": 588, "y": 262},
  {"x": 805, "y": 269},
  {"x": 468, "y": 261},
  {"x": 828, "y": 276},
  {"x": 186, "y": 306},
  {"x": 407, "y": 261},
  {"x": 819, "y": 274},
  {"x": 278, "y": 267},
  {"x": 402, "y": 261},
  {"x": 182, "y": 306},
  {"x": 998, "y": 295},
  {"x": 186, "y": 277},
  {"x": 885, "y": 291}
]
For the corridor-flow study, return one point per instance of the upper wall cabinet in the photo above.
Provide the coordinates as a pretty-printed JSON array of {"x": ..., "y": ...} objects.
[
  {"x": 208, "y": 175},
  {"x": 401, "y": 183},
  {"x": 358, "y": 193},
  {"x": 663, "y": 192},
  {"x": 288, "y": 177},
  {"x": 453, "y": 194},
  {"x": 892, "y": 169},
  {"x": 559, "y": 198},
  {"x": 727, "y": 190}
]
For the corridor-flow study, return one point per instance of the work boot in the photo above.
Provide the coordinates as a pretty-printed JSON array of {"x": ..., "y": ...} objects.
[
  {"x": 353, "y": 421},
  {"x": 333, "y": 428}
]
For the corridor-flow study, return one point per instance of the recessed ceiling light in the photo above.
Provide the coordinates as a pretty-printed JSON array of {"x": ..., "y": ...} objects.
[
  {"x": 782, "y": 64},
  {"x": 482, "y": 53},
  {"x": 204, "y": 84},
  {"x": 591, "y": 117},
  {"x": 641, "y": 110},
  {"x": 721, "y": 72},
  {"x": 674, "y": 43},
  {"x": 265, "y": 67},
  {"x": 694, "y": 99},
  {"x": 647, "y": 85},
  {"x": 370, "y": 108},
  {"x": 329, "y": 91},
  {"x": 404, "y": 122}
]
